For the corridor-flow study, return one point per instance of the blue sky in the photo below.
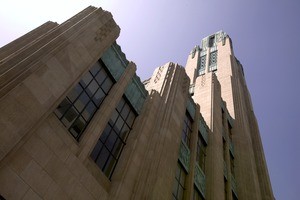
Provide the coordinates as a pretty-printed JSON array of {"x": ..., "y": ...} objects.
[{"x": 265, "y": 35}]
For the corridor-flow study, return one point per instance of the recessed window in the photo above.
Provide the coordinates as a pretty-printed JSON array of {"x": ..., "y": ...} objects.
[
  {"x": 234, "y": 197},
  {"x": 213, "y": 56},
  {"x": 202, "y": 65},
  {"x": 232, "y": 165},
  {"x": 211, "y": 41},
  {"x": 225, "y": 189},
  {"x": 108, "y": 149},
  {"x": 224, "y": 149},
  {"x": 179, "y": 185},
  {"x": 78, "y": 108},
  {"x": 197, "y": 195},
  {"x": 201, "y": 152},
  {"x": 187, "y": 129}
]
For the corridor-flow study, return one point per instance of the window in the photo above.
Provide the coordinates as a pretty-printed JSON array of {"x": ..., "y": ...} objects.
[
  {"x": 232, "y": 165},
  {"x": 230, "y": 131},
  {"x": 78, "y": 108},
  {"x": 213, "y": 56},
  {"x": 211, "y": 41},
  {"x": 223, "y": 118},
  {"x": 202, "y": 65},
  {"x": 234, "y": 197},
  {"x": 201, "y": 152},
  {"x": 178, "y": 189},
  {"x": 197, "y": 195},
  {"x": 224, "y": 150},
  {"x": 187, "y": 129},
  {"x": 108, "y": 149},
  {"x": 225, "y": 189}
]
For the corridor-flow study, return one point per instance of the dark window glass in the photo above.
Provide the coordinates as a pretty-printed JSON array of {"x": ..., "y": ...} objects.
[
  {"x": 89, "y": 111},
  {"x": 81, "y": 102},
  {"x": 230, "y": 131},
  {"x": 225, "y": 188},
  {"x": 211, "y": 41},
  {"x": 98, "y": 97},
  {"x": 213, "y": 57},
  {"x": 62, "y": 108},
  {"x": 202, "y": 65},
  {"x": 78, "y": 108},
  {"x": 73, "y": 95},
  {"x": 101, "y": 76},
  {"x": 197, "y": 195},
  {"x": 106, "y": 85},
  {"x": 187, "y": 129},
  {"x": 92, "y": 88},
  {"x": 95, "y": 69},
  {"x": 234, "y": 197},
  {"x": 232, "y": 165},
  {"x": 86, "y": 79},
  {"x": 77, "y": 127},
  {"x": 178, "y": 187},
  {"x": 201, "y": 152},
  {"x": 69, "y": 117},
  {"x": 130, "y": 118},
  {"x": 224, "y": 149},
  {"x": 113, "y": 138}
]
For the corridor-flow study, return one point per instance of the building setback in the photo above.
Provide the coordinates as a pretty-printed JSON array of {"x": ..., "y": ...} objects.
[{"x": 77, "y": 122}]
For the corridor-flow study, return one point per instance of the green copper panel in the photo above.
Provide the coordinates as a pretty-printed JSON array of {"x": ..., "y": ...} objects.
[
  {"x": 200, "y": 179},
  {"x": 120, "y": 53},
  {"x": 203, "y": 129},
  {"x": 136, "y": 93},
  {"x": 115, "y": 61},
  {"x": 191, "y": 107},
  {"x": 233, "y": 185},
  {"x": 184, "y": 155},
  {"x": 230, "y": 119}
]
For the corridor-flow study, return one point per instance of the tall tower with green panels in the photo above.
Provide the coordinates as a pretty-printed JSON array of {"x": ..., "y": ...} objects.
[{"x": 236, "y": 164}]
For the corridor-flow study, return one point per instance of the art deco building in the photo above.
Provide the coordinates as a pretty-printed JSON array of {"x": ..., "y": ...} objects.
[{"x": 77, "y": 122}]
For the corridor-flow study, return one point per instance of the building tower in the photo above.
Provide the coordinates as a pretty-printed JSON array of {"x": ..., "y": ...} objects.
[
  {"x": 217, "y": 83},
  {"x": 76, "y": 122}
]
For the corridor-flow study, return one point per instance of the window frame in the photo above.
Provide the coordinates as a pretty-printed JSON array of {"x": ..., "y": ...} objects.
[
  {"x": 179, "y": 184},
  {"x": 187, "y": 129},
  {"x": 114, "y": 151},
  {"x": 201, "y": 150},
  {"x": 202, "y": 65},
  {"x": 82, "y": 104},
  {"x": 213, "y": 60}
]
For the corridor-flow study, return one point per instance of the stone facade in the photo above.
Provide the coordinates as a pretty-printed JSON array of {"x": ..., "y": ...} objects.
[
  {"x": 41, "y": 158},
  {"x": 222, "y": 90}
]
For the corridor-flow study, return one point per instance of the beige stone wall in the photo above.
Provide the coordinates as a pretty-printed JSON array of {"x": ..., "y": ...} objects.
[
  {"x": 251, "y": 169},
  {"x": 208, "y": 95},
  {"x": 250, "y": 166},
  {"x": 39, "y": 159},
  {"x": 152, "y": 149}
]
